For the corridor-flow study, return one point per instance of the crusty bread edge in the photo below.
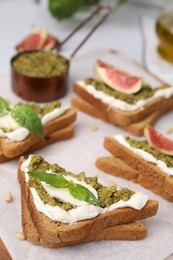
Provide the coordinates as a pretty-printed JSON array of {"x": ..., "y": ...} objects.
[
  {"x": 13, "y": 149},
  {"x": 59, "y": 135},
  {"x": 136, "y": 129},
  {"x": 147, "y": 169},
  {"x": 117, "y": 167},
  {"x": 132, "y": 231},
  {"x": 123, "y": 118},
  {"x": 64, "y": 233}
]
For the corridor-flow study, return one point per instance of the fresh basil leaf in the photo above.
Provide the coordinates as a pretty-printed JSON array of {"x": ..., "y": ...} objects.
[
  {"x": 4, "y": 105},
  {"x": 55, "y": 180},
  {"x": 27, "y": 117},
  {"x": 82, "y": 193}
]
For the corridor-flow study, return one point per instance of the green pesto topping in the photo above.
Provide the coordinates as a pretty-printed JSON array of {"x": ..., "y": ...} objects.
[
  {"x": 45, "y": 197},
  {"x": 110, "y": 195},
  {"x": 38, "y": 163},
  {"x": 40, "y": 64},
  {"x": 145, "y": 92},
  {"x": 106, "y": 195},
  {"x": 43, "y": 110},
  {"x": 40, "y": 110},
  {"x": 168, "y": 159}
]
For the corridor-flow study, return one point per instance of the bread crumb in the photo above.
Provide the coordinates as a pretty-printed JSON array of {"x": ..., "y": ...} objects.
[
  {"x": 112, "y": 183},
  {"x": 20, "y": 235},
  {"x": 169, "y": 130},
  {"x": 93, "y": 127},
  {"x": 7, "y": 197}
]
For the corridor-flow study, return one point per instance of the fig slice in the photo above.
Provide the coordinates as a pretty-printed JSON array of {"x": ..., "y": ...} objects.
[
  {"x": 34, "y": 41},
  {"x": 50, "y": 43},
  {"x": 158, "y": 141},
  {"x": 117, "y": 79}
]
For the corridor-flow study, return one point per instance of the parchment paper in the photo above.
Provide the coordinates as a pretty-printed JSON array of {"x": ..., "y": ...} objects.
[{"x": 79, "y": 154}]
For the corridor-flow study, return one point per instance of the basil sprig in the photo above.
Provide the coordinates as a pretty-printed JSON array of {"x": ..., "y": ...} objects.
[
  {"x": 4, "y": 106},
  {"x": 57, "y": 180},
  {"x": 27, "y": 117}
]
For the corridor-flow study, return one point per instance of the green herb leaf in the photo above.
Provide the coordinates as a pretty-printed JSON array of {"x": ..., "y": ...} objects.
[
  {"x": 27, "y": 117},
  {"x": 82, "y": 193},
  {"x": 4, "y": 105},
  {"x": 55, "y": 180},
  {"x": 118, "y": 4}
]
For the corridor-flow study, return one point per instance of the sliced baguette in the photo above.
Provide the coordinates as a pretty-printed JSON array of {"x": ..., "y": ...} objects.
[
  {"x": 59, "y": 135},
  {"x": 146, "y": 169},
  {"x": 123, "y": 118},
  {"x": 57, "y": 232},
  {"x": 136, "y": 129},
  {"x": 117, "y": 167},
  {"x": 13, "y": 149},
  {"x": 132, "y": 231}
]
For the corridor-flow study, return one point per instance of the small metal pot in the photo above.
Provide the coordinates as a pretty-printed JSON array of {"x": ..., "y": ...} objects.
[
  {"x": 51, "y": 88},
  {"x": 39, "y": 89}
]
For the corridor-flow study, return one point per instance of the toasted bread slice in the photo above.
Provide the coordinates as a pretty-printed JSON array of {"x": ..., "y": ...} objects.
[
  {"x": 57, "y": 232},
  {"x": 136, "y": 129},
  {"x": 118, "y": 167},
  {"x": 59, "y": 135},
  {"x": 124, "y": 118},
  {"x": 146, "y": 169},
  {"x": 13, "y": 149},
  {"x": 132, "y": 231}
]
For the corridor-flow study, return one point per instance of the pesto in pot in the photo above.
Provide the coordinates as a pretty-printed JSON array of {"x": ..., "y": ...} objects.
[
  {"x": 145, "y": 92},
  {"x": 168, "y": 159},
  {"x": 40, "y": 64},
  {"x": 106, "y": 195}
]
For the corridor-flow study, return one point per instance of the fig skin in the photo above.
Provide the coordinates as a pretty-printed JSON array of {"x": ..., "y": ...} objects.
[
  {"x": 117, "y": 79},
  {"x": 158, "y": 141},
  {"x": 39, "y": 39}
]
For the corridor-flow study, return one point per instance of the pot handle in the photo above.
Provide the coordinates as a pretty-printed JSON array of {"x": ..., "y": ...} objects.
[{"x": 106, "y": 8}]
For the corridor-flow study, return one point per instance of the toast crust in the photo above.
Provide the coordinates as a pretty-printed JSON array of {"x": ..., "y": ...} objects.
[
  {"x": 132, "y": 231},
  {"x": 14, "y": 149},
  {"x": 148, "y": 170},
  {"x": 57, "y": 232},
  {"x": 123, "y": 118},
  {"x": 136, "y": 129},
  {"x": 59, "y": 135},
  {"x": 117, "y": 167}
]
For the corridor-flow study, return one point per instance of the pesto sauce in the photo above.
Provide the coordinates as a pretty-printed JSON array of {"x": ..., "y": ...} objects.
[
  {"x": 145, "y": 92},
  {"x": 40, "y": 110},
  {"x": 106, "y": 195},
  {"x": 40, "y": 64},
  {"x": 43, "y": 110},
  {"x": 168, "y": 159}
]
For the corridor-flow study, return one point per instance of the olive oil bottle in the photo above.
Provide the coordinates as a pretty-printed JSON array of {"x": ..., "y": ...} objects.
[{"x": 164, "y": 30}]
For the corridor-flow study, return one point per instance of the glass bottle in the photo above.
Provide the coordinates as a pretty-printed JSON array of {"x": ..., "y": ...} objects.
[{"x": 164, "y": 30}]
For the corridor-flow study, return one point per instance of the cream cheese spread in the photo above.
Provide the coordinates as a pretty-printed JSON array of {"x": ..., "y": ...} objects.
[
  {"x": 83, "y": 209},
  {"x": 53, "y": 114},
  {"x": 145, "y": 155},
  {"x": 120, "y": 104},
  {"x": 6, "y": 121},
  {"x": 20, "y": 133},
  {"x": 63, "y": 194}
]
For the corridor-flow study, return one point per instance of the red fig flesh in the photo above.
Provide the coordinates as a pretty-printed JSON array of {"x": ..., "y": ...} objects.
[
  {"x": 158, "y": 141},
  {"x": 117, "y": 79},
  {"x": 50, "y": 43},
  {"x": 34, "y": 41}
]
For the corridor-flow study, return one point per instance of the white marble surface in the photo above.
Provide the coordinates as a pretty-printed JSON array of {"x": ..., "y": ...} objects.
[{"x": 122, "y": 32}]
